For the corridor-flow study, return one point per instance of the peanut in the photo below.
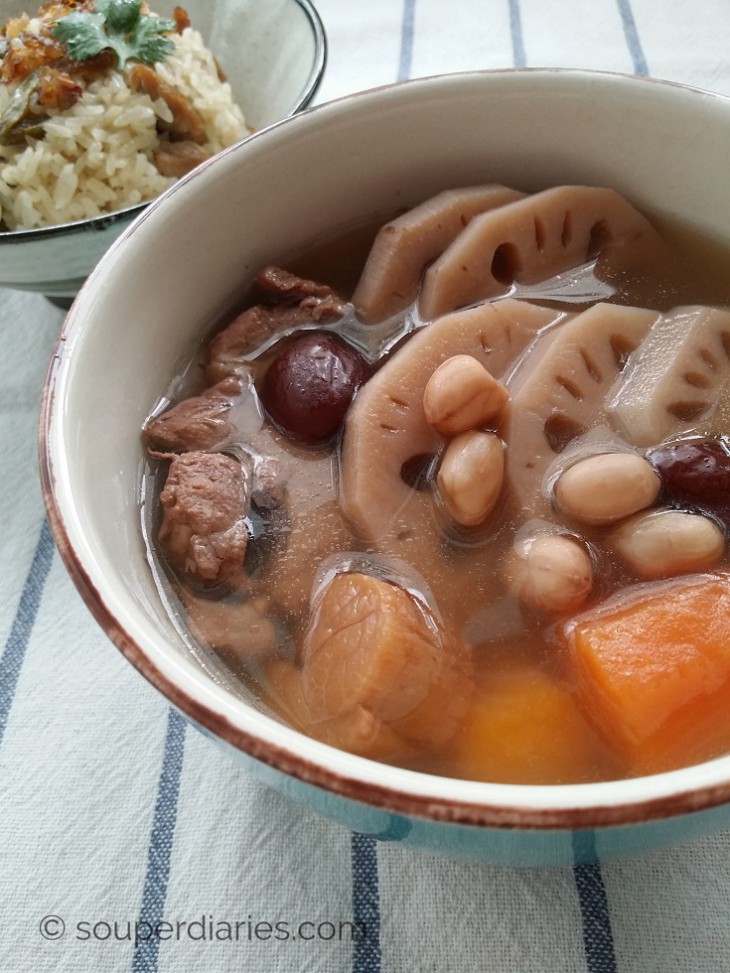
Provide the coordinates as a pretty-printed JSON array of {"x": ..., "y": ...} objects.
[
  {"x": 664, "y": 543},
  {"x": 550, "y": 573},
  {"x": 461, "y": 395},
  {"x": 606, "y": 488},
  {"x": 471, "y": 475}
]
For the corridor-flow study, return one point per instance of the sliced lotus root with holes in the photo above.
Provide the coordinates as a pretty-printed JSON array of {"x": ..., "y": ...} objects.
[
  {"x": 531, "y": 240},
  {"x": 677, "y": 378},
  {"x": 404, "y": 246},
  {"x": 386, "y": 427},
  {"x": 559, "y": 392}
]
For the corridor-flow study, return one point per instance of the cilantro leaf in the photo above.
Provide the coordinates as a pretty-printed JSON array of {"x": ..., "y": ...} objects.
[
  {"x": 122, "y": 16},
  {"x": 116, "y": 25},
  {"x": 83, "y": 34},
  {"x": 150, "y": 39}
]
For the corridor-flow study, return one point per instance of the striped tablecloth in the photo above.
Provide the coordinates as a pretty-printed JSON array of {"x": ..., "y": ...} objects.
[{"x": 116, "y": 816}]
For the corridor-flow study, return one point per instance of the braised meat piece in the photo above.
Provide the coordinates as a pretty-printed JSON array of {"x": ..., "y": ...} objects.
[
  {"x": 292, "y": 303},
  {"x": 181, "y": 18},
  {"x": 177, "y": 159},
  {"x": 269, "y": 484},
  {"x": 200, "y": 422},
  {"x": 204, "y": 502},
  {"x": 238, "y": 628},
  {"x": 187, "y": 123},
  {"x": 282, "y": 285}
]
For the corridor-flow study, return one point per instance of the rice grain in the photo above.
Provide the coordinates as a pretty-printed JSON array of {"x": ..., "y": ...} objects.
[{"x": 97, "y": 156}]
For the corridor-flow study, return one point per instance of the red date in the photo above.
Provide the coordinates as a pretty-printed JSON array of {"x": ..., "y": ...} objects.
[
  {"x": 309, "y": 385},
  {"x": 696, "y": 473}
]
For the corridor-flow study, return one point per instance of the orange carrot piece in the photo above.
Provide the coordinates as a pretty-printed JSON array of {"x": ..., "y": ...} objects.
[{"x": 654, "y": 669}]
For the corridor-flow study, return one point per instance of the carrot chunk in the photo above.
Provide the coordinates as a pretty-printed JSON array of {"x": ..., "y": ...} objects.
[
  {"x": 654, "y": 668},
  {"x": 526, "y": 728}
]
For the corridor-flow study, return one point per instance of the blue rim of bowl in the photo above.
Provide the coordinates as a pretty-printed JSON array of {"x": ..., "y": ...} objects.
[{"x": 99, "y": 223}]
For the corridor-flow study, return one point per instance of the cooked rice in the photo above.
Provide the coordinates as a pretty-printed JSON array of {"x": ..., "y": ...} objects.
[{"x": 96, "y": 156}]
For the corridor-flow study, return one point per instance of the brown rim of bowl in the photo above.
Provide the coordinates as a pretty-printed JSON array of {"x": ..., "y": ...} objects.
[
  {"x": 685, "y": 800},
  {"x": 105, "y": 220}
]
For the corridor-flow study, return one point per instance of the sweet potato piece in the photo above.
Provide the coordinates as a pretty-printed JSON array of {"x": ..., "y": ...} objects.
[
  {"x": 525, "y": 728},
  {"x": 370, "y": 646},
  {"x": 654, "y": 668}
]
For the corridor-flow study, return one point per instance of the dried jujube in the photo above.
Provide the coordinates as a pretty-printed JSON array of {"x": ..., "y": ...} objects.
[{"x": 309, "y": 385}]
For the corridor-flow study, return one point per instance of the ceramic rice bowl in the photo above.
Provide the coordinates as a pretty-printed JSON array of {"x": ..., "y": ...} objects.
[{"x": 274, "y": 52}]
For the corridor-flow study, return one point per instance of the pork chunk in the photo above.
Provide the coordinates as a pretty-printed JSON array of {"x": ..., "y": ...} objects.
[
  {"x": 282, "y": 285},
  {"x": 204, "y": 501},
  {"x": 292, "y": 303},
  {"x": 197, "y": 423},
  {"x": 239, "y": 628}
]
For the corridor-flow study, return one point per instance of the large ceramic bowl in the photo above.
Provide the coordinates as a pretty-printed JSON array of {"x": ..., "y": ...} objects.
[
  {"x": 186, "y": 262},
  {"x": 274, "y": 54}
]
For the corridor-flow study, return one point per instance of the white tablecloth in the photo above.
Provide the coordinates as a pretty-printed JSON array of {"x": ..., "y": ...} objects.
[{"x": 113, "y": 812}]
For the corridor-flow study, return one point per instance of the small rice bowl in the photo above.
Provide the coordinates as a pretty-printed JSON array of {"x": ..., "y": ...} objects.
[{"x": 97, "y": 156}]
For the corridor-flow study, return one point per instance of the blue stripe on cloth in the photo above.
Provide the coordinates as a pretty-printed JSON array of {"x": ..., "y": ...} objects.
[
  {"x": 160, "y": 847},
  {"x": 11, "y": 661},
  {"x": 597, "y": 932},
  {"x": 365, "y": 904},
  {"x": 406, "y": 39},
  {"x": 515, "y": 25},
  {"x": 632, "y": 37}
]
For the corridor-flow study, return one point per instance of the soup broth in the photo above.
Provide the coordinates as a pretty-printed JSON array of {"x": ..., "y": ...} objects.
[{"x": 417, "y": 542}]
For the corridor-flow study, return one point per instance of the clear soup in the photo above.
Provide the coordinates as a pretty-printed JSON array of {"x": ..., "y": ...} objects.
[{"x": 576, "y": 627}]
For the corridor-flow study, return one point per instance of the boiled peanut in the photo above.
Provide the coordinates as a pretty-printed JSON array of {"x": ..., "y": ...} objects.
[
  {"x": 664, "y": 543},
  {"x": 606, "y": 488},
  {"x": 550, "y": 573},
  {"x": 461, "y": 395},
  {"x": 471, "y": 475}
]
